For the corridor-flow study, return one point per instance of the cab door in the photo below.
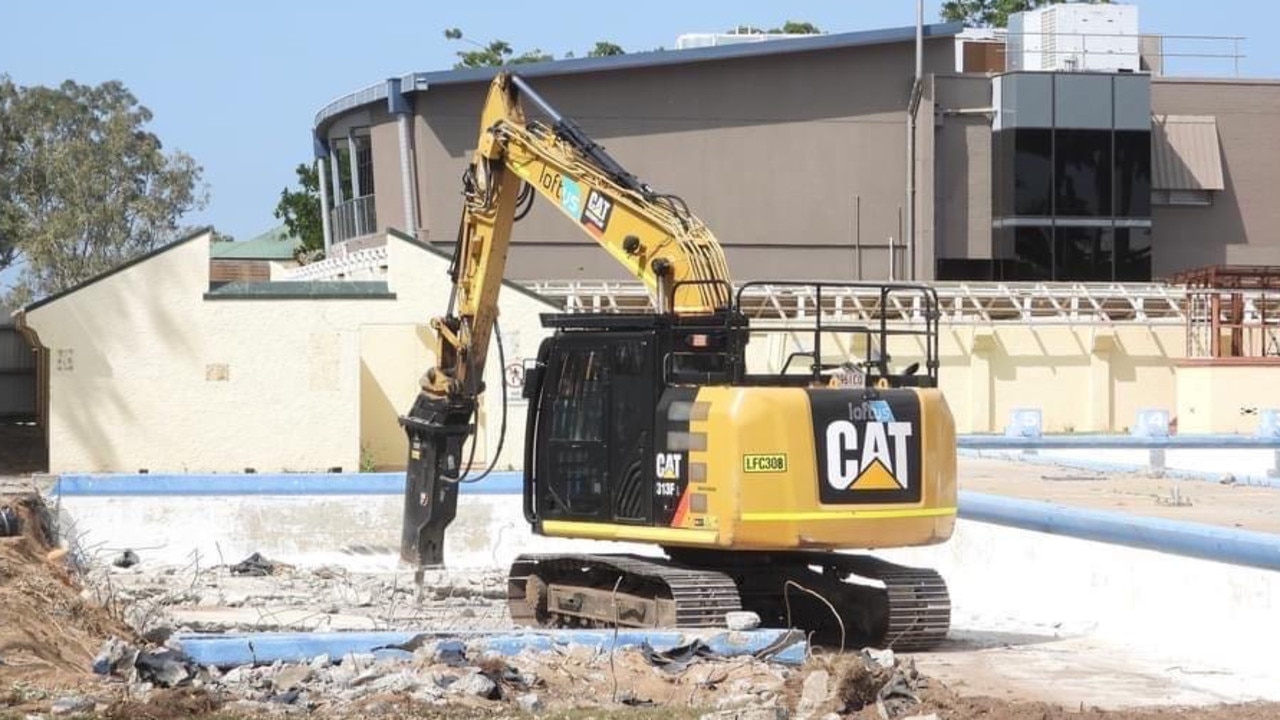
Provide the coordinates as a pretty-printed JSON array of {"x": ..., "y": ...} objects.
[{"x": 595, "y": 427}]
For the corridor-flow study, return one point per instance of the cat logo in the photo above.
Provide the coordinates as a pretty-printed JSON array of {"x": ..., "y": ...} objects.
[
  {"x": 868, "y": 456},
  {"x": 669, "y": 466}
]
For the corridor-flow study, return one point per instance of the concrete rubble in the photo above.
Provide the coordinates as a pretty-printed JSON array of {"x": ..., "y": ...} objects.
[
  {"x": 260, "y": 599},
  {"x": 448, "y": 674}
]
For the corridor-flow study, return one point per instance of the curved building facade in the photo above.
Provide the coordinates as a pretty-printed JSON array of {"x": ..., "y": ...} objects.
[{"x": 795, "y": 151}]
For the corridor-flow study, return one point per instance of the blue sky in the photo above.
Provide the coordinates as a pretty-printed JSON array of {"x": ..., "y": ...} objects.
[{"x": 237, "y": 83}]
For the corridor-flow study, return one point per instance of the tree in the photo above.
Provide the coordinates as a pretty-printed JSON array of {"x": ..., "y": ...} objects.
[
  {"x": 605, "y": 49},
  {"x": 84, "y": 186},
  {"x": 498, "y": 53},
  {"x": 992, "y": 13},
  {"x": 790, "y": 27},
  {"x": 300, "y": 210}
]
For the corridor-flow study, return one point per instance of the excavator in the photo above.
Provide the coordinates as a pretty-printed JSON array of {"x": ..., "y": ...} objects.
[{"x": 762, "y": 490}]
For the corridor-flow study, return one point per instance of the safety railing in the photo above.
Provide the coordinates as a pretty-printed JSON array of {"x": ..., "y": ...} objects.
[{"x": 354, "y": 218}]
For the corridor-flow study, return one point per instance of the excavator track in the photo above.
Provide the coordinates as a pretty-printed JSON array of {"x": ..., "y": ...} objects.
[
  {"x": 909, "y": 610},
  {"x": 566, "y": 590}
]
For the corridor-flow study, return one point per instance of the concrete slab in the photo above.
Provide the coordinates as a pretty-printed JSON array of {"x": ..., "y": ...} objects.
[{"x": 1235, "y": 506}]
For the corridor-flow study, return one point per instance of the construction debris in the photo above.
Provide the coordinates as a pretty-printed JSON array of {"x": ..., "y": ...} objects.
[
  {"x": 126, "y": 559},
  {"x": 10, "y": 524},
  {"x": 255, "y": 565}
]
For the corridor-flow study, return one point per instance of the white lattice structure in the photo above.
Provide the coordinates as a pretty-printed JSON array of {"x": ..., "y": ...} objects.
[
  {"x": 365, "y": 264},
  {"x": 1039, "y": 303}
]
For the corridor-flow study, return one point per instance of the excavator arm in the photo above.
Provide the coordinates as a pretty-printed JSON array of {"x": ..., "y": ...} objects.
[{"x": 653, "y": 235}]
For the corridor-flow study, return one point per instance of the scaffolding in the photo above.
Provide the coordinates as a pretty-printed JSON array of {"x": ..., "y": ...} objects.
[{"x": 1233, "y": 312}]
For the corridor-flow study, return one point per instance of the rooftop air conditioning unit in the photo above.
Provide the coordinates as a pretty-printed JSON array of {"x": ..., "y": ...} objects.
[{"x": 1075, "y": 37}]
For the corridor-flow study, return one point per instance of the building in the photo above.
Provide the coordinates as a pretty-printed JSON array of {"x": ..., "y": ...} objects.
[
  {"x": 1068, "y": 162},
  {"x": 153, "y": 367},
  {"x": 252, "y": 260}
]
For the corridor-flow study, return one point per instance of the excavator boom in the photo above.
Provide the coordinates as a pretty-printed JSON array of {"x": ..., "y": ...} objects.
[{"x": 652, "y": 234}]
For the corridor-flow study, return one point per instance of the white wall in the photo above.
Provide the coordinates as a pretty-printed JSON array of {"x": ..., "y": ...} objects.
[{"x": 147, "y": 373}]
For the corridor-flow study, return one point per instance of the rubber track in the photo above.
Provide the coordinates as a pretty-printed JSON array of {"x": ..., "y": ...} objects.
[{"x": 702, "y": 597}]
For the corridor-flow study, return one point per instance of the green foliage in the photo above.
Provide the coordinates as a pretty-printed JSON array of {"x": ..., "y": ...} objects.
[
  {"x": 498, "y": 53},
  {"x": 992, "y": 13},
  {"x": 790, "y": 27},
  {"x": 301, "y": 213},
  {"x": 605, "y": 49},
  {"x": 84, "y": 186}
]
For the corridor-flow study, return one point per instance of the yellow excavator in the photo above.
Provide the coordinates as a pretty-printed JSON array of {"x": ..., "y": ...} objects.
[{"x": 757, "y": 486}]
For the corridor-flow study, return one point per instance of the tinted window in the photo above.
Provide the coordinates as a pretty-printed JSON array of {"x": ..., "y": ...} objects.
[
  {"x": 1133, "y": 254},
  {"x": 1133, "y": 173},
  {"x": 1033, "y": 247},
  {"x": 1082, "y": 254},
  {"x": 581, "y": 396},
  {"x": 1033, "y": 172},
  {"x": 1083, "y": 169}
]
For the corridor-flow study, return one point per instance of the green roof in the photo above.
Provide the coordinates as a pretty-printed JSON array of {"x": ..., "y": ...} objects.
[
  {"x": 275, "y": 244},
  {"x": 303, "y": 290}
]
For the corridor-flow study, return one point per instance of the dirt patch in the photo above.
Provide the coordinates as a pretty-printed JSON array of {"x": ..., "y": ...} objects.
[
  {"x": 165, "y": 705},
  {"x": 48, "y": 631}
]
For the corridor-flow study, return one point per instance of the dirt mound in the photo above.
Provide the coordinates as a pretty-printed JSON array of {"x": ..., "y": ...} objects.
[{"x": 48, "y": 632}]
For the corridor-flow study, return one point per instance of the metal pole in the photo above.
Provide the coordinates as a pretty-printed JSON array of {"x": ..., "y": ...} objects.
[
  {"x": 910, "y": 235},
  {"x": 857, "y": 232}
]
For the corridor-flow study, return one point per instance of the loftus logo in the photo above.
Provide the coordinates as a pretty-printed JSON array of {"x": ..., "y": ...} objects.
[{"x": 868, "y": 449}]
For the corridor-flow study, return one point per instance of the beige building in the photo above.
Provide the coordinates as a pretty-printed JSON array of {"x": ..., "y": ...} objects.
[
  {"x": 147, "y": 368},
  {"x": 795, "y": 152}
]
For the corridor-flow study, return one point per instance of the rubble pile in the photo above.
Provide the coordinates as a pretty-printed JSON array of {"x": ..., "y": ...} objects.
[
  {"x": 258, "y": 594},
  {"x": 48, "y": 629},
  {"x": 452, "y": 674}
]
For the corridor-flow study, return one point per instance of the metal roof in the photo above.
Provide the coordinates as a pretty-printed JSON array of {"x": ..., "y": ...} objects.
[
  {"x": 1185, "y": 154},
  {"x": 807, "y": 43},
  {"x": 275, "y": 244}
]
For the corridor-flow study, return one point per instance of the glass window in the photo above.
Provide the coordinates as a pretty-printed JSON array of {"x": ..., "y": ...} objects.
[
  {"x": 1033, "y": 249},
  {"x": 1083, "y": 172},
  {"x": 1001, "y": 170},
  {"x": 1133, "y": 173},
  {"x": 1033, "y": 172},
  {"x": 581, "y": 396},
  {"x": 1083, "y": 254},
  {"x": 1133, "y": 254}
]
